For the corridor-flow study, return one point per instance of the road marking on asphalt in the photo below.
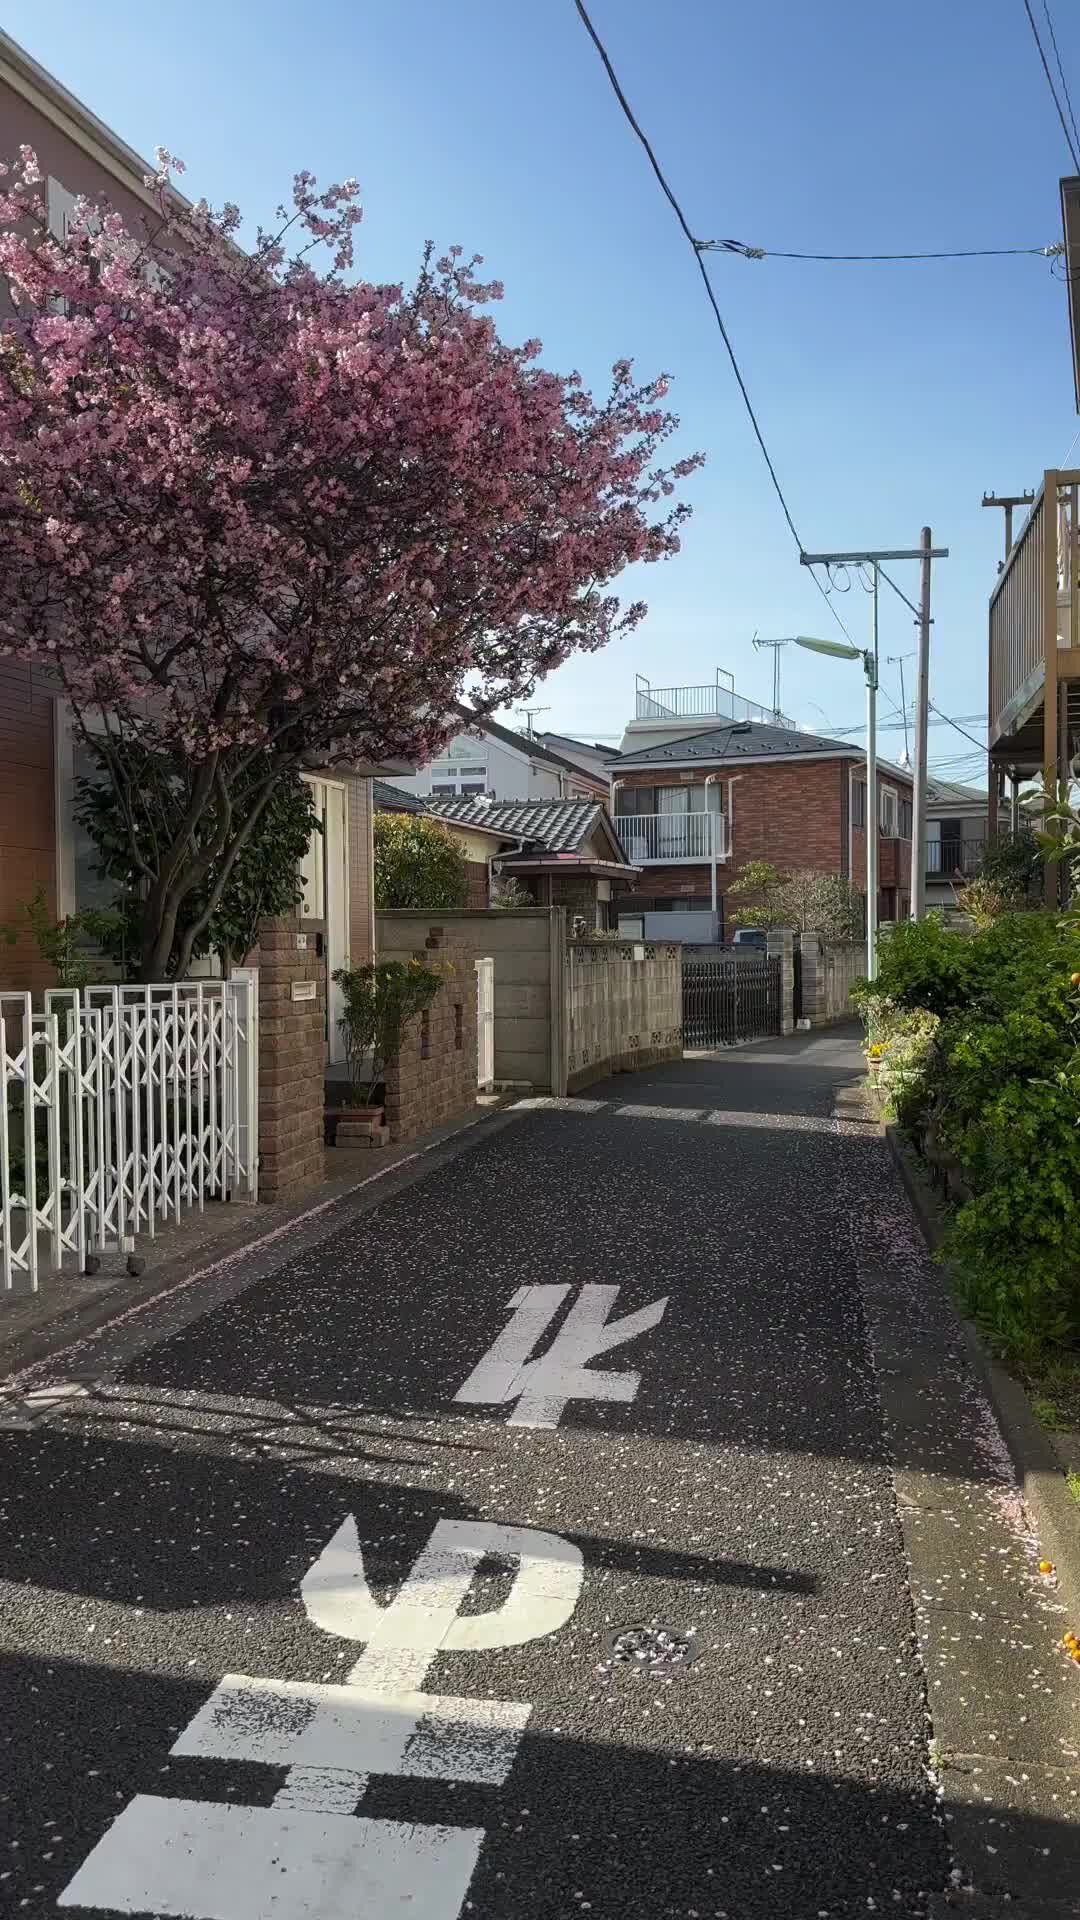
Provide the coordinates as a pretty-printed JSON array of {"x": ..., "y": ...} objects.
[
  {"x": 224, "y": 1862},
  {"x": 544, "y": 1388},
  {"x": 307, "y": 1857}
]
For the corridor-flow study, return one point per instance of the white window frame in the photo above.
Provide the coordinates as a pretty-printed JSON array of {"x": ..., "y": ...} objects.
[
  {"x": 889, "y": 810},
  {"x": 458, "y": 779}
]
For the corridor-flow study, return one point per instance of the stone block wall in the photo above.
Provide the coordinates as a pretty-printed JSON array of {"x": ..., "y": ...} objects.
[
  {"x": 433, "y": 1077},
  {"x": 828, "y": 975},
  {"x": 292, "y": 1058},
  {"x": 623, "y": 1008},
  {"x": 781, "y": 946},
  {"x": 526, "y": 946}
]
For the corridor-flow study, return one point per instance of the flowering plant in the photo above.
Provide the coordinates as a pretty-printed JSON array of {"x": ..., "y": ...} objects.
[{"x": 254, "y": 508}]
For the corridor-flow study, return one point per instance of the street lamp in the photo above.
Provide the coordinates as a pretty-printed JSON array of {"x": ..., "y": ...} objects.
[{"x": 840, "y": 650}]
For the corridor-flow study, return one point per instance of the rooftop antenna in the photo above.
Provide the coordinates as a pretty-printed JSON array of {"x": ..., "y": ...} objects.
[
  {"x": 526, "y": 713},
  {"x": 776, "y": 646},
  {"x": 897, "y": 660}
]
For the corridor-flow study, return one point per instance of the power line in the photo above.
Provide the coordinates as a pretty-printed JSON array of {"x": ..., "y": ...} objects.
[
  {"x": 696, "y": 249},
  {"x": 748, "y": 252},
  {"x": 1073, "y": 146},
  {"x": 957, "y": 728},
  {"x": 1061, "y": 72}
]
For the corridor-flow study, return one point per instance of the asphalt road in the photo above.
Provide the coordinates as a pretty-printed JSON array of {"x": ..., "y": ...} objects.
[{"x": 154, "y": 1538}]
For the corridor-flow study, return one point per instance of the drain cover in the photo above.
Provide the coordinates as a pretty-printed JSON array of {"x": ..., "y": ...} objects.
[{"x": 650, "y": 1649}]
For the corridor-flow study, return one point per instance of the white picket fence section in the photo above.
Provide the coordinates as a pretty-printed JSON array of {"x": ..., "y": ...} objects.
[{"x": 121, "y": 1108}]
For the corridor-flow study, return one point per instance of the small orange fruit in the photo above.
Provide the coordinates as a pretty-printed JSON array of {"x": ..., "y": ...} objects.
[
  {"x": 1075, "y": 979},
  {"x": 1046, "y": 1566}
]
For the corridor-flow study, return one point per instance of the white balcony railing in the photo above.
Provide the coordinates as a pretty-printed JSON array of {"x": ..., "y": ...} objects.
[
  {"x": 656, "y": 838},
  {"x": 714, "y": 701}
]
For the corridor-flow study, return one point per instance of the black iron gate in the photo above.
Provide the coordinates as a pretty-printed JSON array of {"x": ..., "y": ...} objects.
[{"x": 729, "y": 999}]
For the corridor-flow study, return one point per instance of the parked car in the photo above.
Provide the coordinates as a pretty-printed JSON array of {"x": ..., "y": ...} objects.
[{"x": 752, "y": 938}]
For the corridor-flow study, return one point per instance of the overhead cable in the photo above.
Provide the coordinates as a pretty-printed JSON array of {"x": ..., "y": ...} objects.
[
  {"x": 747, "y": 252},
  {"x": 1073, "y": 145},
  {"x": 696, "y": 248}
]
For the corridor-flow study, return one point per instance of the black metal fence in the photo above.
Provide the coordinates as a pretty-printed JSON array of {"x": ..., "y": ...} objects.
[{"x": 725, "y": 1000}]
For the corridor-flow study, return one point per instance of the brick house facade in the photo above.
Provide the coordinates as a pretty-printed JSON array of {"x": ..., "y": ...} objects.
[
  {"x": 77, "y": 154},
  {"x": 794, "y": 800}
]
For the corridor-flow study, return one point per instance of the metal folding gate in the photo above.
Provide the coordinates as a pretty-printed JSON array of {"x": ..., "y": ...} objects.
[
  {"x": 121, "y": 1108},
  {"x": 726, "y": 999}
]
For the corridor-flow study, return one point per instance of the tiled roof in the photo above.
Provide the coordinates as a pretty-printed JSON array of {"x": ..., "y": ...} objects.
[
  {"x": 389, "y": 799},
  {"x": 554, "y": 826},
  {"x": 942, "y": 790},
  {"x": 737, "y": 740}
]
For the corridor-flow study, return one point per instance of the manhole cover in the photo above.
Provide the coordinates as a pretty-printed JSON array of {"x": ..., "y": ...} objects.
[{"x": 650, "y": 1649}]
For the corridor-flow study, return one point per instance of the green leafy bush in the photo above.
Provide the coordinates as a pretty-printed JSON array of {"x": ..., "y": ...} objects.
[
  {"x": 985, "y": 1027},
  {"x": 380, "y": 1001},
  {"x": 417, "y": 864}
]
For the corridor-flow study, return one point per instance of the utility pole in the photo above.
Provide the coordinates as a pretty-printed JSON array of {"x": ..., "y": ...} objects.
[
  {"x": 527, "y": 713},
  {"x": 924, "y": 553},
  {"x": 871, "y": 669},
  {"x": 1008, "y": 501},
  {"x": 922, "y": 715}
]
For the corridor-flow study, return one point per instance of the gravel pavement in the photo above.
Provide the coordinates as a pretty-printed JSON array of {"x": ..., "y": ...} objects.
[{"x": 530, "y": 1651}]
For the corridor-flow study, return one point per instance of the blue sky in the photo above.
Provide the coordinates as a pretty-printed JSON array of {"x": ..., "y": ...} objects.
[{"x": 890, "y": 396}]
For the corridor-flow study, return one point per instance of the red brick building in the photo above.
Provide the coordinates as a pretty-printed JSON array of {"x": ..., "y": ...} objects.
[{"x": 693, "y": 809}]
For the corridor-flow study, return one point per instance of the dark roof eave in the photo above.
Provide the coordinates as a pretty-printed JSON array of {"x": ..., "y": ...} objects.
[{"x": 568, "y": 863}]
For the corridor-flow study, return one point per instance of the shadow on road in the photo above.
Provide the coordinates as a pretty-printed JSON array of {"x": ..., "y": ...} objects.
[{"x": 599, "y": 1821}]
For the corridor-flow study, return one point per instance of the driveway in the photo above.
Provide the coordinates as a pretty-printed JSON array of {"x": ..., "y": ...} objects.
[{"x": 538, "y": 1542}]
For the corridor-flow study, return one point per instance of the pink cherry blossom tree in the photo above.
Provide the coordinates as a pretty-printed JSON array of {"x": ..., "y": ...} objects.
[{"x": 259, "y": 514}]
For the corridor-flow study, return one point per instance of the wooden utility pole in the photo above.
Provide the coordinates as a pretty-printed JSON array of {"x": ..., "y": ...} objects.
[{"x": 922, "y": 718}]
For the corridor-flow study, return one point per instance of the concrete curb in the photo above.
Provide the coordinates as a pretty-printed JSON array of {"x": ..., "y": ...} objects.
[{"x": 1054, "y": 1512}]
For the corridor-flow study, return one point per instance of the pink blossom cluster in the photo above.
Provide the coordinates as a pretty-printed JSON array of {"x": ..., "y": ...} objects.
[{"x": 249, "y": 500}]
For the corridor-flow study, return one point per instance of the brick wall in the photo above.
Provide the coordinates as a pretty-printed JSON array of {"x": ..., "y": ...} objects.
[
  {"x": 27, "y": 815},
  {"x": 791, "y": 814},
  {"x": 433, "y": 1078},
  {"x": 292, "y": 1060},
  {"x": 577, "y": 893},
  {"x": 476, "y": 886}
]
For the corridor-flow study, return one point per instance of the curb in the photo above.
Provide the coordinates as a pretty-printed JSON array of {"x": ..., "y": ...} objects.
[{"x": 1054, "y": 1512}]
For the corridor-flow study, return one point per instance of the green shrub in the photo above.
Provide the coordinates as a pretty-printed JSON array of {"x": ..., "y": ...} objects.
[
  {"x": 980, "y": 1038},
  {"x": 380, "y": 1001},
  {"x": 417, "y": 864}
]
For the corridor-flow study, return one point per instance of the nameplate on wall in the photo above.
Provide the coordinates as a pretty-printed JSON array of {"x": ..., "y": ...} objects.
[{"x": 305, "y": 989}]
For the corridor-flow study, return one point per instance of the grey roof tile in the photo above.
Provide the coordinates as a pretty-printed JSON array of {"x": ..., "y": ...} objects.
[{"x": 555, "y": 826}]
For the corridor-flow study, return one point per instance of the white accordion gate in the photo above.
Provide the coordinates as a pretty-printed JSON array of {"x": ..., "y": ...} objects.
[{"x": 121, "y": 1108}]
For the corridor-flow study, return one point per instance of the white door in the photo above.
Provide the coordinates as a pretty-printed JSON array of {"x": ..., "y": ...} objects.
[{"x": 326, "y": 896}]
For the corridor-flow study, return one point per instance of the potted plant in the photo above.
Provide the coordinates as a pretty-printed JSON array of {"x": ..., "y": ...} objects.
[{"x": 380, "y": 1002}]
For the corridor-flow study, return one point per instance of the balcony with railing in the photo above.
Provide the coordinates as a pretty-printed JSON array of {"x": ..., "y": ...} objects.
[
  {"x": 1035, "y": 633},
  {"x": 716, "y": 700},
  {"x": 673, "y": 839},
  {"x": 950, "y": 857}
]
